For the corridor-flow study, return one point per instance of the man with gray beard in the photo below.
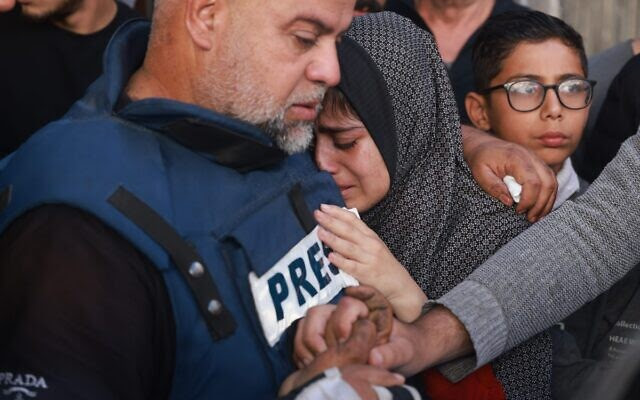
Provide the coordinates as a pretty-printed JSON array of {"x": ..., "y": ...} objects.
[
  {"x": 155, "y": 242},
  {"x": 52, "y": 51}
]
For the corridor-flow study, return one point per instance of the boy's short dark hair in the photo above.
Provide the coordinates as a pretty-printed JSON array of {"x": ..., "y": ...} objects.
[{"x": 503, "y": 32}]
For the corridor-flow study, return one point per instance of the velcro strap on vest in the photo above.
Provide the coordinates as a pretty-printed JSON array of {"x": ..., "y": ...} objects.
[
  {"x": 229, "y": 148},
  {"x": 5, "y": 197},
  {"x": 191, "y": 266},
  {"x": 300, "y": 208}
]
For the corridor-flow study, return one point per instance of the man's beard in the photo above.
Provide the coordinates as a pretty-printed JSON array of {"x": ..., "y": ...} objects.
[
  {"x": 293, "y": 136},
  {"x": 59, "y": 12},
  {"x": 239, "y": 96}
]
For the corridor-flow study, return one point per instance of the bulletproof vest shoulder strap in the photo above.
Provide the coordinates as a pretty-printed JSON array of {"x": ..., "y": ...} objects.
[{"x": 192, "y": 267}]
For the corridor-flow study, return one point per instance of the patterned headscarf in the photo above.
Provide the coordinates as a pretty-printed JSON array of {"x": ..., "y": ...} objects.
[{"x": 434, "y": 219}]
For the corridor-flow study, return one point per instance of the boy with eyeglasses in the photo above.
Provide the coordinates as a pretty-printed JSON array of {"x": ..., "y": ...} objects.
[{"x": 530, "y": 72}]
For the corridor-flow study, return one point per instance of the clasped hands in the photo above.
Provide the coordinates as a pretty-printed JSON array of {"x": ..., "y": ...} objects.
[{"x": 344, "y": 336}]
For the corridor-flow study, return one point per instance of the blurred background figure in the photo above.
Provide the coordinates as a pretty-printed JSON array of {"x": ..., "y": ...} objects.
[
  {"x": 605, "y": 25},
  {"x": 454, "y": 24},
  {"x": 608, "y": 28},
  {"x": 618, "y": 120},
  {"x": 6, "y": 5},
  {"x": 52, "y": 51},
  {"x": 611, "y": 32}
]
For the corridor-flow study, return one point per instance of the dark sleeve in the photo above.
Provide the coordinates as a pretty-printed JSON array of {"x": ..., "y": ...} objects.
[
  {"x": 124, "y": 14},
  {"x": 406, "y": 9},
  {"x": 571, "y": 370},
  {"x": 618, "y": 120},
  {"x": 84, "y": 314}
]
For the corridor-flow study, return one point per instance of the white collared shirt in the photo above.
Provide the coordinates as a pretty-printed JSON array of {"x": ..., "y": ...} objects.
[{"x": 568, "y": 183}]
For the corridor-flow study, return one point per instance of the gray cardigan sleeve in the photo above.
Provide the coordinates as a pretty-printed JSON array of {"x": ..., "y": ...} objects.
[{"x": 557, "y": 265}]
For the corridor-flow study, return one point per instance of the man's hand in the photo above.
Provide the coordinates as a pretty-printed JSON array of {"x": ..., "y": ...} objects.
[
  {"x": 379, "y": 312},
  {"x": 329, "y": 325},
  {"x": 7, "y": 5},
  {"x": 309, "y": 341},
  {"x": 350, "y": 356},
  {"x": 490, "y": 159},
  {"x": 436, "y": 337}
]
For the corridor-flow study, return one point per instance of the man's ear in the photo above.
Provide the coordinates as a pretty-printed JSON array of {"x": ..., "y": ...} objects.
[
  {"x": 476, "y": 105},
  {"x": 201, "y": 17}
]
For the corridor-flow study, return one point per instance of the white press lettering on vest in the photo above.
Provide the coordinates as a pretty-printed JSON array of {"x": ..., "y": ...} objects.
[{"x": 303, "y": 278}]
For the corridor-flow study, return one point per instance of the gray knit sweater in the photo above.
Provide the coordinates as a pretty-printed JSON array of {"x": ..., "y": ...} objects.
[{"x": 557, "y": 265}]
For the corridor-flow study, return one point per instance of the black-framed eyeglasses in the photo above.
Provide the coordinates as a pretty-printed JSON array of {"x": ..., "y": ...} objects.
[{"x": 528, "y": 94}]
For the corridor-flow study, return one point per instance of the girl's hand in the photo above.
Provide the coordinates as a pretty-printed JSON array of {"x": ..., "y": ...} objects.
[{"x": 360, "y": 252}]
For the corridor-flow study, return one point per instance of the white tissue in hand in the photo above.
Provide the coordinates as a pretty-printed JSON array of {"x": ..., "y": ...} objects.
[
  {"x": 515, "y": 189},
  {"x": 353, "y": 210}
]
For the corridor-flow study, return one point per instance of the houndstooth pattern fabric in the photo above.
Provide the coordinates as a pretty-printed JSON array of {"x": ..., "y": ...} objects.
[{"x": 435, "y": 219}]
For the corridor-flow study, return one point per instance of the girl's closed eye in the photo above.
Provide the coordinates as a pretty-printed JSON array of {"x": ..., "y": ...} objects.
[{"x": 345, "y": 145}]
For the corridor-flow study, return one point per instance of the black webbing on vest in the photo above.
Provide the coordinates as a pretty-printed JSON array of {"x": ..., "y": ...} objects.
[
  {"x": 300, "y": 207},
  {"x": 5, "y": 197},
  {"x": 220, "y": 322},
  {"x": 229, "y": 148}
]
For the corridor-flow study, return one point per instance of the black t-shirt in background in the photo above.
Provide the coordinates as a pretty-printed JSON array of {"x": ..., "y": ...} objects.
[
  {"x": 618, "y": 120},
  {"x": 461, "y": 70},
  {"x": 82, "y": 309},
  {"x": 44, "y": 70}
]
